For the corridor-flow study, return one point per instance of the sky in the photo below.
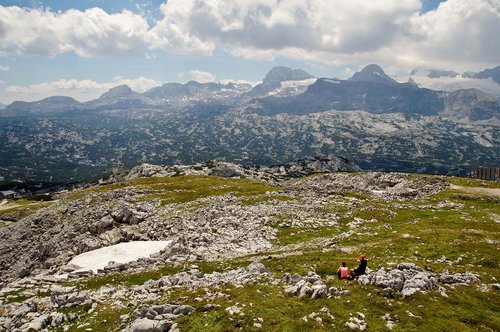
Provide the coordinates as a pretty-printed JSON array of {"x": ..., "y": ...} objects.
[{"x": 82, "y": 48}]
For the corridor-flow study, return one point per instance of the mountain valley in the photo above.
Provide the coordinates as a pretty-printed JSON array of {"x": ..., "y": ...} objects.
[{"x": 371, "y": 119}]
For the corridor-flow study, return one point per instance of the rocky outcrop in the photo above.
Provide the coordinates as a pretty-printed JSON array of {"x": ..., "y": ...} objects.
[
  {"x": 311, "y": 286},
  {"x": 385, "y": 185},
  {"x": 409, "y": 279},
  {"x": 293, "y": 169}
]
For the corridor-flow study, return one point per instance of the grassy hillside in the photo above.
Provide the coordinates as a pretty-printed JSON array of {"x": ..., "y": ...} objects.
[{"x": 315, "y": 229}]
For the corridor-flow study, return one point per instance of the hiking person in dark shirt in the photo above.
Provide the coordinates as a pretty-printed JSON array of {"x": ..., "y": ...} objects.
[{"x": 361, "y": 269}]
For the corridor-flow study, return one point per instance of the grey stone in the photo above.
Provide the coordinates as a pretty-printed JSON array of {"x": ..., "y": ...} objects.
[
  {"x": 24, "y": 273},
  {"x": 183, "y": 310},
  {"x": 319, "y": 291},
  {"x": 20, "y": 311},
  {"x": 38, "y": 323},
  {"x": 57, "y": 318},
  {"x": 256, "y": 267},
  {"x": 305, "y": 291},
  {"x": 149, "y": 325}
]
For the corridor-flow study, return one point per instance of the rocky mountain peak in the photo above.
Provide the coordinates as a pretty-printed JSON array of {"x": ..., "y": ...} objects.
[
  {"x": 51, "y": 103},
  {"x": 117, "y": 92},
  {"x": 372, "y": 73},
  {"x": 493, "y": 73},
  {"x": 280, "y": 74}
]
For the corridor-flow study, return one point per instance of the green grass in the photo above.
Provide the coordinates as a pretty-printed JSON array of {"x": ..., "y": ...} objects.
[
  {"x": 189, "y": 188},
  {"x": 464, "y": 310},
  {"x": 266, "y": 199},
  {"x": 183, "y": 189},
  {"x": 15, "y": 296},
  {"x": 139, "y": 278},
  {"x": 389, "y": 232},
  {"x": 468, "y": 182},
  {"x": 22, "y": 208}
]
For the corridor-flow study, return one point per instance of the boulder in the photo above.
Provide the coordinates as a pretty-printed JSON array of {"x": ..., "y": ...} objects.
[
  {"x": 38, "y": 323},
  {"x": 257, "y": 268},
  {"x": 458, "y": 278},
  {"x": 149, "y": 325},
  {"x": 183, "y": 310},
  {"x": 421, "y": 282},
  {"x": 24, "y": 272},
  {"x": 319, "y": 291}
]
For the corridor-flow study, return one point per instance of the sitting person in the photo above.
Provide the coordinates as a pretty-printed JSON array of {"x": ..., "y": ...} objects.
[
  {"x": 361, "y": 269},
  {"x": 343, "y": 272}
]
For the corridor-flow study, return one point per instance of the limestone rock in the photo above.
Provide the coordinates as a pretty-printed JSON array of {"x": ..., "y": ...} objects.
[{"x": 149, "y": 325}]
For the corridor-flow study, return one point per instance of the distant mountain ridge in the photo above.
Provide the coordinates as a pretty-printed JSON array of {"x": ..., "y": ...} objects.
[
  {"x": 275, "y": 77},
  {"x": 373, "y": 91},
  {"x": 52, "y": 103},
  {"x": 493, "y": 73},
  {"x": 370, "y": 89},
  {"x": 372, "y": 73},
  {"x": 371, "y": 119}
]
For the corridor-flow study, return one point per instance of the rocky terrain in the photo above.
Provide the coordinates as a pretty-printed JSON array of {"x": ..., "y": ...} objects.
[
  {"x": 371, "y": 119},
  {"x": 256, "y": 249}
]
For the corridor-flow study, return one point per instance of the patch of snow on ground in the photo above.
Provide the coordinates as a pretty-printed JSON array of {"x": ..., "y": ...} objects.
[{"x": 124, "y": 252}]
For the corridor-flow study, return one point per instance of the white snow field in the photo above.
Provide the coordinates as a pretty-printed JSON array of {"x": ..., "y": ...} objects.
[{"x": 120, "y": 253}]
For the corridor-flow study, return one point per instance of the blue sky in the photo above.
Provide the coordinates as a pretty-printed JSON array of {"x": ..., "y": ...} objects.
[{"x": 81, "y": 48}]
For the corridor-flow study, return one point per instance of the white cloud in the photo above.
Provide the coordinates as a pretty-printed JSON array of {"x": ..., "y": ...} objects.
[
  {"x": 202, "y": 76},
  {"x": 459, "y": 34},
  {"x": 394, "y": 33},
  {"x": 4, "y": 68},
  {"x": 2, "y": 82},
  {"x": 81, "y": 90},
  {"x": 230, "y": 80},
  {"x": 139, "y": 84},
  {"x": 92, "y": 32},
  {"x": 447, "y": 83},
  {"x": 277, "y": 26},
  {"x": 172, "y": 33}
]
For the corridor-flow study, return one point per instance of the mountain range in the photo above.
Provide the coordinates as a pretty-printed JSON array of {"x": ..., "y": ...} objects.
[
  {"x": 493, "y": 73},
  {"x": 370, "y": 118}
]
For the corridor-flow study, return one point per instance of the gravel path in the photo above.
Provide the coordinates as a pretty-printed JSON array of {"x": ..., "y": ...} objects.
[{"x": 478, "y": 190}]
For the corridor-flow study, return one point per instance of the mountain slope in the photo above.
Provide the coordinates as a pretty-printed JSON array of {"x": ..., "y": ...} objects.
[
  {"x": 380, "y": 125},
  {"x": 471, "y": 105},
  {"x": 121, "y": 91},
  {"x": 372, "y": 73},
  {"x": 55, "y": 103},
  {"x": 275, "y": 77},
  {"x": 246, "y": 254},
  {"x": 366, "y": 95}
]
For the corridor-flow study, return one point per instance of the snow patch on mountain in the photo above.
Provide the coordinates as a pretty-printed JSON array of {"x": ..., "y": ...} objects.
[
  {"x": 122, "y": 253},
  {"x": 291, "y": 87}
]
